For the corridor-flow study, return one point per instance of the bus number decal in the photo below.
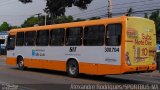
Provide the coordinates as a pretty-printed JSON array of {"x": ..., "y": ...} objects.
[
  {"x": 111, "y": 49},
  {"x": 72, "y": 49},
  {"x": 144, "y": 51}
]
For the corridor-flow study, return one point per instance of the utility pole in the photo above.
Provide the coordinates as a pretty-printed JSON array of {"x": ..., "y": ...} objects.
[
  {"x": 45, "y": 21},
  {"x": 109, "y": 8},
  {"x": 38, "y": 18}
]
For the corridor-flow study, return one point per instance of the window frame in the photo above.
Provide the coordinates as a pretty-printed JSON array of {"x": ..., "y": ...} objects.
[
  {"x": 38, "y": 37},
  {"x": 35, "y": 36},
  {"x": 80, "y": 38},
  {"x": 106, "y": 34},
  {"x": 100, "y": 26},
  {"x": 51, "y": 43},
  {"x": 17, "y": 39},
  {"x": 8, "y": 47}
]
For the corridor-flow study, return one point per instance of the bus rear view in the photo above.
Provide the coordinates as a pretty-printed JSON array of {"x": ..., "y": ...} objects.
[
  {"x": 97, "y": 47},
  {"x": 140, "y": 43}
]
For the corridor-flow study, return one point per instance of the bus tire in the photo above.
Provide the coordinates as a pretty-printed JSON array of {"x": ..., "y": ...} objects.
[
  {"x": 72, "y": 68},
  {"x": 20, "y": 63}
]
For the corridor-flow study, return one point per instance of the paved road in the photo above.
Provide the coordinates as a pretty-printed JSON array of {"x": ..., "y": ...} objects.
[{"x": 35, "y": 79}]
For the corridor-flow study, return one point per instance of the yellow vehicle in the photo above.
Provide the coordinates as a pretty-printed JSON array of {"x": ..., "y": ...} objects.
[{"x": 99, "y": 47}]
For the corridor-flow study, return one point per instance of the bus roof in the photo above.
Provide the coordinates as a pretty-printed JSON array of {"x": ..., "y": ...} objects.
[
  {"x": 72, "y": 24},
  {"x": 141, "y": 18}
]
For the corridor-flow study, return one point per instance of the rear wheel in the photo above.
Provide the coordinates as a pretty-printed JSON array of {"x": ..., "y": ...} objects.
[
  {"x": 20, "y": 63},
  {"x": 72, "y": 68}
]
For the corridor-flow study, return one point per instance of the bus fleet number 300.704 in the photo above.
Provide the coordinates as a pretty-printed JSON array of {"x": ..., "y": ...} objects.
[{"x": 111, "y": 49}]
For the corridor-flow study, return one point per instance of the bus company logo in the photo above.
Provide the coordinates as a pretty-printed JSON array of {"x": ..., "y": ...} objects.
[
  {"x": 72, "y": 49},
  {"x": 38, "y": 52},
  {"x": 132, "y": 33},
  {"x": 33, "y": 52}
]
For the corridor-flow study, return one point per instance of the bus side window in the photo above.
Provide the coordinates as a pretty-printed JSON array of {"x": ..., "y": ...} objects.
[
  {"x": 94, "y": 35},
  {"x": 20, "y": 39},
  {"x": 113, "y": 35},
  {"x": 42, "y": 38},
  {"x": 74, "y": 36},
  {"x": 57, "y": 37},
  {"x": 30, "y": 38},
  {"x": 11, "y": 42}
]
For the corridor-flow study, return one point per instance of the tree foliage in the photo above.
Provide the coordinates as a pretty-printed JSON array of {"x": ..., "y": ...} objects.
[
  {"x": 145, "y": 15},
  {"x": 94, "y": 18},
  {"x": 14, "y": 27},
  {"x": 79, "y": 19},
  {"x": 31, "y": 21},
  {"x": 63, "y": 19},
  {"x": 57, "y": 8},
  {"x": 5, "y": 26},
  {"x": 155, "y": 16}
]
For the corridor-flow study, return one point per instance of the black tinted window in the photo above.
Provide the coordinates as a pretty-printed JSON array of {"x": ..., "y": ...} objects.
[
  {"x": 94, "y": 35},
  {"x": 113, "y": 34},
  {"x": 11, "y": 42},
  {"x": 2, "y": 41},
  {"x": 42, "y": 38},
  {"x": 57, "y": 37},
  {"x": 74, "y": 36},
  {"x": 30, "y": 38},
  {"x": 20, "y": 39}
]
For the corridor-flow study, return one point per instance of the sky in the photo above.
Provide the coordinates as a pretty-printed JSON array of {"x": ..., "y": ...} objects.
[{"x": 14, "y": 12}]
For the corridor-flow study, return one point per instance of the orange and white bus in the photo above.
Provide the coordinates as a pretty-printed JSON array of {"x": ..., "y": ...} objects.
[{"x": 98, "y": 47}]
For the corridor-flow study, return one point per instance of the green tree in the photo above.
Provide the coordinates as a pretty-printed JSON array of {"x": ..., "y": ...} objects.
[
  {"x": 79, "y": 19},
  {"x": 55, "y": 8},
  {"x": 31, "y": 21},
  {"x": 94, "y": 18},
  {"x": 155, "y": 16},
  {"x": 63, "y": 19},
  {"x": 14, "y": 27},
  {"x": 5, "y": 26},
  {"x": 145, "y": 15},
  {"x": 42, "y": 20}
]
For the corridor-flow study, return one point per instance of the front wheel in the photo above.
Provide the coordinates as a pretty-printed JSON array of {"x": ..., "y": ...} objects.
[
  {"x": 72, "y": 68},
  {"x": 20, "y": 63}
]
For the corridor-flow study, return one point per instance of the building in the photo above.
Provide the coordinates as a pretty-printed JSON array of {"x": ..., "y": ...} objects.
[{"x": 3, "y": 42}]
